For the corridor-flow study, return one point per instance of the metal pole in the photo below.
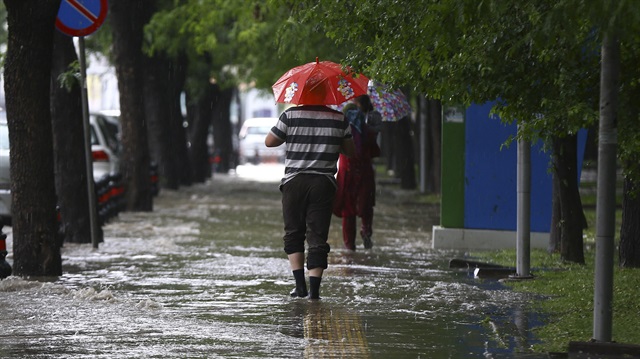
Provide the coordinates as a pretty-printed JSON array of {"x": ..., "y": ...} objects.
[
  {"x": 93, "y": 217},
  {"x": 606, "y": 192},
  {"x": 523, "y": 223}
]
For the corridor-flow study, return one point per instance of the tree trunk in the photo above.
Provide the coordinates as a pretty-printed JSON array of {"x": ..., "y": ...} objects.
[
  {"x": 68, "y": 142},
  {"x": 405, "y": 160},
  {"x": 629, "y": 250},
  {"x": 178, "y": 70},
  {"x": 387, "y": 146},
  {"x": 200, "y": 118},
  {"x": 180, "y": 142},
  {"x": 434, "y": 123},
  {"x": 158, "y": 101},
  {"x": 27, "y": 80},
  {"x": 572, "y": 220},
  {"x": 127, "y": 20},
  {"x": 223, "y": 146},
  {"x": 555, "y": 234}
]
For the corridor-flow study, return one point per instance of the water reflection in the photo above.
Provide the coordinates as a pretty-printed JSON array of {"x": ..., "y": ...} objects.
[
  {"x": 328, "y": 330},
  {"x": 331, "y": 332}
]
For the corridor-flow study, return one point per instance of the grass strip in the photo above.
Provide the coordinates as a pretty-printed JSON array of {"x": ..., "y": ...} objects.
[{"x": 566, "y": 298}]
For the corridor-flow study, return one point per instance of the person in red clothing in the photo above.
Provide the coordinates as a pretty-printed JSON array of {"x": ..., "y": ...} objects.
[{"x": 355, "y": 196}]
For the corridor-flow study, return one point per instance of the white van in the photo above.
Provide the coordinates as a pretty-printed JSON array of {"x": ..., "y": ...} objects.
[{"x": 251, "y": 147}]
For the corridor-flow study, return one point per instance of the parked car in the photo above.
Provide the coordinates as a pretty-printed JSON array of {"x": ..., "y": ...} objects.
[
  {"x": 105, "y": 148},
  {"x": 5, "y": 172},
  {"x": 105, "y": 143},
  {"x": 251, "y": 147}
]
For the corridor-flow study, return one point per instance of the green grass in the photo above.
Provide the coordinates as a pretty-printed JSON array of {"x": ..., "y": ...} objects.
[{"x": 568, "y": 291}]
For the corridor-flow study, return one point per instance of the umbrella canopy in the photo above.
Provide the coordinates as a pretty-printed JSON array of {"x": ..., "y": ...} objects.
[
  {"x": 319, "y": 83},
  {"x": 392, "y": 104}
]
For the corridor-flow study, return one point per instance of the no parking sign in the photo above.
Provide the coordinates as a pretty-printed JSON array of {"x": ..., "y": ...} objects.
[{"x": 81, "y": 17}]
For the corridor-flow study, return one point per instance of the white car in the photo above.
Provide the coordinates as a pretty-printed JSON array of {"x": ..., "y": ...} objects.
[
  {"x": 105, "y": 144},
  {"x": 251, "y": 147},
  {"x": 105, "y": 148},
  {"x": 5, "y": 172}
]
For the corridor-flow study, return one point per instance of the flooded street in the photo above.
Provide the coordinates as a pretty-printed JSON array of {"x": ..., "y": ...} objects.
[{"x": 204, "y": 276}]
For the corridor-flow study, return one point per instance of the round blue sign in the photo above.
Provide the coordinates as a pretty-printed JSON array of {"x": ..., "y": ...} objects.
[{"x": 81, "y": 17}]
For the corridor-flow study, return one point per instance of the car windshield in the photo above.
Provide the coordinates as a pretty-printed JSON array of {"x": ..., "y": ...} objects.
[
  {"x": 262, "y": 130},
  {"x": 109, "y": 129}
]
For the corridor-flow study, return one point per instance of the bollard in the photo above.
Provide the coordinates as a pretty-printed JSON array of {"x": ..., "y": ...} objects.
[{"x": 5, "y": 268}]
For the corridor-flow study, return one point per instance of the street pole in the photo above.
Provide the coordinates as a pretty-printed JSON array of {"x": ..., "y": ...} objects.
[
  {"x": 606, "y": 192},
  {"x": 523, "y": 222},
  {"x": 93, "y": 217}
]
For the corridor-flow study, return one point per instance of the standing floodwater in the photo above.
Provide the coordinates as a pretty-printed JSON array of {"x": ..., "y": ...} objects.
[{"x": 204, "y": 276}]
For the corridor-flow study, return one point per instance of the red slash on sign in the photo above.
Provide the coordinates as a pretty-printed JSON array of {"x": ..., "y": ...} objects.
[
  {"x": 81, "y": 17},
  {"x": 83, "y": 10}
]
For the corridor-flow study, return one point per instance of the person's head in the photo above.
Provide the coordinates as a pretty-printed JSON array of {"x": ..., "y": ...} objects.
[
  {"x": 353, "y": 114},
  {"x": 348, "y": 107},
  {"x": 364, "y": 103}
]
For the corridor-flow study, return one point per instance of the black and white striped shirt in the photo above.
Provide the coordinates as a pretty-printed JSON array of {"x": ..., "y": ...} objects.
[{"x": 313, "y": 136}]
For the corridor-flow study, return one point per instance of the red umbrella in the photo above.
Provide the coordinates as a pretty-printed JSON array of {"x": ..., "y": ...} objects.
[{"x": 319, "y": 83}]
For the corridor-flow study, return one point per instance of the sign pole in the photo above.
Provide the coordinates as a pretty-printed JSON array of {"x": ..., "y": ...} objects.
[
  {"x": 81, "y": 18},
  {"x": 93, "y": 215}
]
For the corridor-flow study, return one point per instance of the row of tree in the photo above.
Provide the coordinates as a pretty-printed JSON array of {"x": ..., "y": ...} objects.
[
  {"x": 539, "y": 59},
  {"x": 43, "y": 104},
  {"x": 160, "y": 49}
]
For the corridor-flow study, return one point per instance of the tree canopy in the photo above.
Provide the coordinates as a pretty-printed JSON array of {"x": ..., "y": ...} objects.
[
  {"x": 246, "y": 41},
  {"x": 538, "y": 59}
]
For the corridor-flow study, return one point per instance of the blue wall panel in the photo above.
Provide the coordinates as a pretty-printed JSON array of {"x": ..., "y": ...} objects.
[{"x": 490, "y": 176}]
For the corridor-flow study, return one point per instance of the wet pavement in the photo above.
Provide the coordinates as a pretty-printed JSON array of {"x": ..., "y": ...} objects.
[{"x": 204, "y": 276}]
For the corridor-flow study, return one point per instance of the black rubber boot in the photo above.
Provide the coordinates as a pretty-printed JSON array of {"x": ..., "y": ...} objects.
[
  {"x": 301, "y": 285},
  {"x": 314, "y": 287}
]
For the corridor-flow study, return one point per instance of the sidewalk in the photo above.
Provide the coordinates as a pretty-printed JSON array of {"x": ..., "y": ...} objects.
[{"x": 204, "y": 276}]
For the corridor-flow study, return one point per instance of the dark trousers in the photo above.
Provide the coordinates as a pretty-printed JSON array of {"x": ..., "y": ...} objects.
[{"x": 307, "y": 201}]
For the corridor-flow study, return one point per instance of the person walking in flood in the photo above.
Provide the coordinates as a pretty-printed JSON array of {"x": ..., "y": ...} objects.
[
  {"x": 356, "y": 181},
  {"x": 314, "y": 136}
]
